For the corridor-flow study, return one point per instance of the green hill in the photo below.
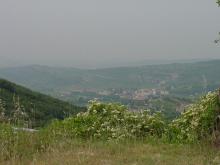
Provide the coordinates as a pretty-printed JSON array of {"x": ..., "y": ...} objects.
[
  {"x": 179, "y": 78},
  {"x": 38, "y": 108}
]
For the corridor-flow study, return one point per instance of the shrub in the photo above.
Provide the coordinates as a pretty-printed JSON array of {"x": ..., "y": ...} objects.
[
  {"x": 197, "y": 121},
  {"x": 110, "y": 121}
]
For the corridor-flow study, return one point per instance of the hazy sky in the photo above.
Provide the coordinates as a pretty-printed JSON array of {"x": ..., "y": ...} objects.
[{"x": 85, "y": 33}]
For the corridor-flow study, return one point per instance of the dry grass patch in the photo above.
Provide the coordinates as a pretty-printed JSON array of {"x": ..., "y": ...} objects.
[{"x": 128, "y": 153}]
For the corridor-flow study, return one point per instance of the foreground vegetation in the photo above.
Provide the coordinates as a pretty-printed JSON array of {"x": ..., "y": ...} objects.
[
  {"x": 148, "y": 152},
  {"x": 110, "y": 134},
  {"x": 34, "y": 148},
  {"x": 115, "y": 122}
]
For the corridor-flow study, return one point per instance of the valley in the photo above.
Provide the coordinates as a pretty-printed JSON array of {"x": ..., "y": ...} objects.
[{"x": 161, "y": 87}]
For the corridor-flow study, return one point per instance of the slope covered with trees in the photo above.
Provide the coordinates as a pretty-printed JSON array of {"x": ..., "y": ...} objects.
[{"x": 19, "y": 105}]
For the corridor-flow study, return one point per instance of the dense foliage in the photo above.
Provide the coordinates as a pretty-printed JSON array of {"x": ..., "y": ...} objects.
[
  {"x": 18, "y": 103},
  {"x": 198, "y": 121},
  {"x": 110, "y": 121},
  {"x": 113, "y": 121},
  {"x": 169, "y": 105}
]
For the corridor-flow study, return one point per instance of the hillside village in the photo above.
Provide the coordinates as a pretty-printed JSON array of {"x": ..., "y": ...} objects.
[{"x": 132, "y": 94}]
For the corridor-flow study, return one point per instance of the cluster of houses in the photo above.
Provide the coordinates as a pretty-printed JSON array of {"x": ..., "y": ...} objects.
[
  {"x": 139, "y": 94},
  {"x": 131, "y": 94},
  {"x": 143, "y": 94}
]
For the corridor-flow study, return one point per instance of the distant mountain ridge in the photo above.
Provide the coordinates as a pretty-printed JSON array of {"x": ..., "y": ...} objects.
[
  {"x": 9, "y": 62},
  {"x": 177, "y": 77}
]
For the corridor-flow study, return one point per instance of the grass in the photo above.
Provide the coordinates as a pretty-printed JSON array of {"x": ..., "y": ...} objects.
[{"x": 150, "y": 152}]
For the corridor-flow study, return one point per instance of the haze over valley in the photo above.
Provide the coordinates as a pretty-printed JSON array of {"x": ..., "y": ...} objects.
[
  {"x": 162, "y": 87},
  {"x": 118, "y": 82}
]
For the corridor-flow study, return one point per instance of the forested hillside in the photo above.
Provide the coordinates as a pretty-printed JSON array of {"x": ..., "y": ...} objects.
[{"x": 19, "y": 105}]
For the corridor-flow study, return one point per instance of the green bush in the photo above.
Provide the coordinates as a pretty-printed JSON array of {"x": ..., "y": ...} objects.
[
  {"x": 110, "y": 121},
  {"x": 197, "y": 121}
]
